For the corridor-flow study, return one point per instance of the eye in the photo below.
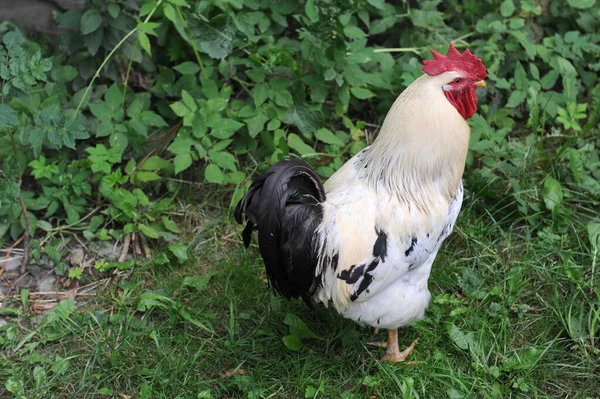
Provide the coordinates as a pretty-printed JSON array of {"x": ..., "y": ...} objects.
[{"x": 457, "y": 80}]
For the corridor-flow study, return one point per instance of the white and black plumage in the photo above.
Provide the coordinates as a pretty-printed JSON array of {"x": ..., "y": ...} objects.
[{"x": 366, "y": 240}]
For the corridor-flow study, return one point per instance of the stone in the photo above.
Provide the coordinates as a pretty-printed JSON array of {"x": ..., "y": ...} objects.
[
  {"x": 35, "y": 15},
  {"x": 47, "y": 284}
]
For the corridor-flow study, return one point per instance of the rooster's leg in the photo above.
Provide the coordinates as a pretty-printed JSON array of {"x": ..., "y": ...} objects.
[{"x": 392, "y": 352}]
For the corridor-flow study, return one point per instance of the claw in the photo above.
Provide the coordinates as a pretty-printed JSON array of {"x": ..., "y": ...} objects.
[{"x": 392, "y": 353}]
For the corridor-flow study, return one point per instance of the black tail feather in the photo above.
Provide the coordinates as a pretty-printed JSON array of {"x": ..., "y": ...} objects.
[{"x": 284, "y": 206}]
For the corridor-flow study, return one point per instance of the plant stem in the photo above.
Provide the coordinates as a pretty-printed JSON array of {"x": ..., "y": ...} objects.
[
  {"x": 415, "y": 50},
  {"x": 25, "y": 260},
  {"x": 112, "y": 52},
  {"x": 191, "y": 42},
  {"x": 127, "y": 75},
  {"x": 25, "y": 236}
]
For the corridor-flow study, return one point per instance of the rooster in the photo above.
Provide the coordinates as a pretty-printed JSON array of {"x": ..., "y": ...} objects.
[{"x": 365, "y": 241}]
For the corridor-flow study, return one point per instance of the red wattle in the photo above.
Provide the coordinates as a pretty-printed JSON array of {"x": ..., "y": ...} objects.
[{"x": 465, "y": 101}]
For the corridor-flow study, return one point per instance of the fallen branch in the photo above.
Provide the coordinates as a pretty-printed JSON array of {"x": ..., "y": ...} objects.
[
  {"x": 136, "y": 244},
  {"x": 125, "y": 249},
  {"x": 25, "y": 236},
  {"x": 145, "y": 246}
]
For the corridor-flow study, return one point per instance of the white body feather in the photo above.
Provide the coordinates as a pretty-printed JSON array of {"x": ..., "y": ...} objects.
[{"x": 404, "y": 192}]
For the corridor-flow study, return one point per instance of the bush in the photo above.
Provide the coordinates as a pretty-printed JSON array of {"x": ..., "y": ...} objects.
[{"x": 93, "y": 138}]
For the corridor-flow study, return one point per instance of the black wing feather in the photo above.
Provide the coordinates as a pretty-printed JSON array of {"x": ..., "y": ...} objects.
[{"x": 284, "y": 206}]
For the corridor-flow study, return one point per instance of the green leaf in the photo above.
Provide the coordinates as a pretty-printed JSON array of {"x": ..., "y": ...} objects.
[
  {"x": 553, "y": 193},
  {"x": 44, "y": 225},
  {"x": 214, "y": 37},
  {"x": 147, "y": 230},
  {"x": 14, "y": 386},
  {"x": 226, "y": 128},
  {"x": 295, "y": 142},
  {"x": 187, "y": 68},
  {"x": 256, "y": 75},
  {"x": 180, "y": 109},
  {"x": 524, "y": 359},
  {"x": 426, "y": 19},
  {"x": 90, "y": 21},
  {"x": 198, "y": 283},
  {"x": 549, "y": 79},
  {"x": 354, "y": 32},
  {"x": 144, "y": 42},
  {"x": 516, "y": 98},
  {"x": 507, "y": 8},
  {"x": 189, "y": 101},
  {"x": 327, "y": 136},
  {"x": 64, "y": 73},
  {"x": 221, "y": 145},
  {"x": 181, "y": 145},
  {"x": 149, "y": 300},
  {"x": 379, "y": 4},
  {"x": 9, "y": 190},
  {"x": 223, "y": 159},
  {"x": 94, "y": 40},
  {"x": 146, "y": 176},
  {"x": 260, "y": 93},
  {"x": 526, "y": 42},
  {"x": 8, "y": 117},
  {"x": 298, "y": 327},
  {"x": 182, "y": 162},
  {"x": 581, "y": 4},
  {"x": 594, "y": 235},
  {"x": 12, "y": 39},
  {"x": 106, "y": 391},
  {"x": 214, "y": 105},
  {"x": 76, "y": 273},
  {"x": 148, "y": 28},
  {"x": 521, "y": 82},
  {"x": 311, "y": 10},
  {"x": 306, "y": 120},
  {"x": 170, "y": 225},
  {"x": 180, "y": 251},
  {"x": 361, "y": 93},
  {"x": 213, "y": 174},
  {"x": 113, "y": 10},
  {"x": 292, "y": 342},
  {"x": 154, "y": 163},
  {"x": 114, "y": 97},
  {"x": 458, "y": 337},
  {"x": 256, "y": 124},
  {"x": 535, "y": 72}
]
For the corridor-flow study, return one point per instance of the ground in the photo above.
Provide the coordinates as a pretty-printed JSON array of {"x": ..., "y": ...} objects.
[{"x": 211, "y": 328}]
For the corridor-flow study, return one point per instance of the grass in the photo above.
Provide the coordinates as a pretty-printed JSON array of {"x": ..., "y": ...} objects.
[{"x": 512, "y": 315}]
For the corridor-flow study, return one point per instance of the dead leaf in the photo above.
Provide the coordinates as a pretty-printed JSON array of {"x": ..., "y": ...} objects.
[
  {"x": 68, "y": 294},
  {"x": 125, "y": 396},
  {"x": 230, "y": 372},
  {"x": 40, "y": 307}
]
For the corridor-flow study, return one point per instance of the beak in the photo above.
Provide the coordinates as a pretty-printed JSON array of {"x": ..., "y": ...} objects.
[{"x": 481, "y": 83}]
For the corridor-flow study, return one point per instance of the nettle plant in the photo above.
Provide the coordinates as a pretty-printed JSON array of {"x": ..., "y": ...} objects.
[
  {"x": 541, "y": 110},
  {"x": 30, "y": 120},
  {"x": 145, "y": 90}
]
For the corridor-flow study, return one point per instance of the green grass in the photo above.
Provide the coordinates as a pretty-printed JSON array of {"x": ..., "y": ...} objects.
[{"x": 511, "y": 316}]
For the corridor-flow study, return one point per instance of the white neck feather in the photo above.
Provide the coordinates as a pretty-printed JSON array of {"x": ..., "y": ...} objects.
[{"x": 420, "y": 152}]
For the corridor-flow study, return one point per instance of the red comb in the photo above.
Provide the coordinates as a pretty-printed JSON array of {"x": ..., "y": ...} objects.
[{"x": 455, "y": 61}]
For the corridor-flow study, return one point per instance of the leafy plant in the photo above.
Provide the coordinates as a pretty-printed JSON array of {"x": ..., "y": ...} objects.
[{"x": 25, "y": 132}]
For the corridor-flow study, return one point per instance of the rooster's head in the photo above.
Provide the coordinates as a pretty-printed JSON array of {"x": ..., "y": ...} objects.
[{"x": 464, "y": 71}]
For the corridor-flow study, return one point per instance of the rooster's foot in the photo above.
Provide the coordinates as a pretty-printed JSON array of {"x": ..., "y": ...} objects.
[{"x": 392, "y": 353}]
